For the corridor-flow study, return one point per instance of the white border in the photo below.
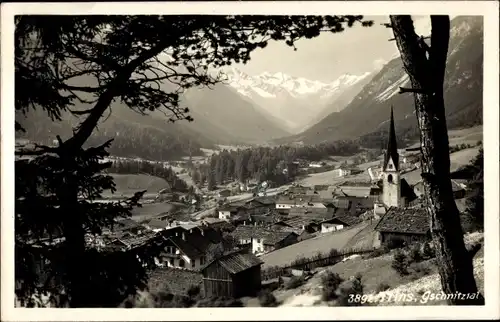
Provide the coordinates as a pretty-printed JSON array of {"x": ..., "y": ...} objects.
[{"x": 489, "y": 9}]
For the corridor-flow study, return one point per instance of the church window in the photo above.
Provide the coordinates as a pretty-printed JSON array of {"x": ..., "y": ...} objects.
[{"x": 389, "y": 178}]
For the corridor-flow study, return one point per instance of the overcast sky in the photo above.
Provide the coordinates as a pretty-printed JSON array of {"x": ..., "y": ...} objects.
[{"x": 355, "y": 51}]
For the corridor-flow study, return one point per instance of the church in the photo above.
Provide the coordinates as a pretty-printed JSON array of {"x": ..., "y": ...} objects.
[{"x": 397, "y": 218}]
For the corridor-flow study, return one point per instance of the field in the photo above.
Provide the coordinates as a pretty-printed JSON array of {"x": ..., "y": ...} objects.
[
  {"x": 310, "y": 247},
  {"x": 128, "y": 184},
  {"x": 152, "y": 210},
  {"x": 463, "y": 136}
]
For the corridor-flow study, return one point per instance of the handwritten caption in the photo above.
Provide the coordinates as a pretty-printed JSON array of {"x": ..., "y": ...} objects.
[{"x": 423, "y": 298}]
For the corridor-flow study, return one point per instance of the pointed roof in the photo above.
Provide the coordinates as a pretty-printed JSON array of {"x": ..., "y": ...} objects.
[{"x": 392, "y": 148}]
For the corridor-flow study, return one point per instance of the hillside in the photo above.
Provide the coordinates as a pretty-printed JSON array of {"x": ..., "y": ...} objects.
[
  {"x": 369, "y": 110},
  {"x": 237, "y": 119}
]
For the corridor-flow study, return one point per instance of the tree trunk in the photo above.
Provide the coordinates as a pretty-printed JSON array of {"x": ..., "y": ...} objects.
[{"x": 426, "y": 69}]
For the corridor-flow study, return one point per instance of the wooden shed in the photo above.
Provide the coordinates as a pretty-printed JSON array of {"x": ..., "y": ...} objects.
[
  {"x": 233, "y": 275},
  {"x": 410, "y": 225}
]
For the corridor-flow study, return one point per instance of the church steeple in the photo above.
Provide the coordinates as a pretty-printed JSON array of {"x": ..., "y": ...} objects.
[{"x": 392, "y": 148}]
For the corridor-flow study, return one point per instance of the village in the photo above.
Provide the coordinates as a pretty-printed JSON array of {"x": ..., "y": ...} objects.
[{"x": 263, "y": 236}]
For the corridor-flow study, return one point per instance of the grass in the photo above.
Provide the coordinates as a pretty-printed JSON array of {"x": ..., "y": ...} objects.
[
  {"x": 152, "y": 210},
  {"x": 310, "y": 247},
  {"x": 128, "y": 184}
]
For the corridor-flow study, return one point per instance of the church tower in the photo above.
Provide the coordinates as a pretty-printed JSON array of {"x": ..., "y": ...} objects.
[{"x": 391, "y": 195}]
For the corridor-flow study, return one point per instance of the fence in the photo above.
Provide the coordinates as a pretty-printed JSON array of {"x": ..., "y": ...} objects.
[{"x": 309, "y": 264}]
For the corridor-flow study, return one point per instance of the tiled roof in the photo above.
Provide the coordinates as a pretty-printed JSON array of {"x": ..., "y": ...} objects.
[
  {"x": 273, "y": 237},
  {"x": 185, "y": 247},
  {"x": 267, "y": 200},
  {"x": 404, "y": 220},
  {"x": 243, "y": 232},
  {"x": 173, "y": 281},
  {"x": 347, "y": 218},
  {"x": 299, "y": 221},
  {"x": 237, "y": 262}
]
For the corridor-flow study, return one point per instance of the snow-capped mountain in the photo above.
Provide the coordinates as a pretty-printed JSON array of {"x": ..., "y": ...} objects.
[
  {"x": 368, "y": 111},
  {"x": 295, "y": 100}
]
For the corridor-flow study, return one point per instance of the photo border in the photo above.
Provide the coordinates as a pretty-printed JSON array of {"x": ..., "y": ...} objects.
[{"x": 487, "y": 9}]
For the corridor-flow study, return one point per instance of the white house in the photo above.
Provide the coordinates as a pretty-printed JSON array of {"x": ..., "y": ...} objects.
[
  {"x": 342, "y": 172},
  {"x": 226, "y": 212},
  {"x": 333, "y": 224},
  {"x": 187, "y": 250}
]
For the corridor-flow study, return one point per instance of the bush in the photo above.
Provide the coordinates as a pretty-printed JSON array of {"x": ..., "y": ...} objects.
[
  {"x": 378, "y": 252},
  {"x": 428, "y": 251},
  {"x": 294, "y": 282},
  {"x": 382, "y": 287},
  {"x": 395, "y": 243},
  {"x": 193, "y": 291},
  {"x": 220, "y": 302},
  {"x": 267, "y": 299},
  {"x": 348, "y": 290},
  {"x": 419, "y": 270},
  {"x": 415, "y": 254},
  {"x": 400, "y": 263},
  {"x": 330, "y": 282}
]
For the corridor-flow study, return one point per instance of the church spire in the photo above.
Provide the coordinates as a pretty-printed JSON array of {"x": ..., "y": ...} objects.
[{"x": 392, "y": 148}]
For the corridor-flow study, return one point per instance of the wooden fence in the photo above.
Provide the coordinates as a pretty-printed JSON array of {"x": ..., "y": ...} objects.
[{"x": 309, "y": 264}]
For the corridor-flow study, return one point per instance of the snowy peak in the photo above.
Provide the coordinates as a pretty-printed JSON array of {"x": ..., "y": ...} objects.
[{"x": 271, "y": 85}]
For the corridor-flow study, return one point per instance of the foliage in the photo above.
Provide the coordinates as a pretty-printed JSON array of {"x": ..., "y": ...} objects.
[
  {"x": 219, "y": 302},
  {"x": 350, "y": 293},
  {"x": 294, "y": 282},
  {"x": 400, "y": 263},
  {"x": 428, "y": 251},
  {"x": 152, "y": 168},
  {"x": 419, "y": 270},
  {"x": 63, "y": 190},
  {"x": 267, "y": 299},
  {"x": 382, "y": 287},
  {"x": 330, "y": 282},
  {"x": 415, "y": 255}
]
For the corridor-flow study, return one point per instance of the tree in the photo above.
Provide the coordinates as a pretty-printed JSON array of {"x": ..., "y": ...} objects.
[
  {"x": 426, "y": 66},
  {"x": 84, "y": 64}
]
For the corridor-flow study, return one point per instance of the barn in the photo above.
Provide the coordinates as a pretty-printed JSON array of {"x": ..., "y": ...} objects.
[
  {"x": 410, "y": 225},
  {"x": 233, "y": 275}
]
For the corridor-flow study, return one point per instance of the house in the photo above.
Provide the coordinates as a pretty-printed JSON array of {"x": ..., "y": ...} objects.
[
  {"x": 224, "y": 193},
  {"x": 297, "y": 224},
  {"x": 189, "y": 249},
  {"x": 408, "y": 224},
  {"x": 354, "y": 205},
  {"x": 294, "y": 201},
  {"x": 458, "y": 188},
  {"x": 300, "y": 190},
  {"x": 232, "y": 275},
  {"x": 228, "y": 211},
  {"x": 243, "y": 234},
  {"x": 332, "y": 224},
  {"x": 342, "y": 172},
  {"x": 265, "y": 240}
]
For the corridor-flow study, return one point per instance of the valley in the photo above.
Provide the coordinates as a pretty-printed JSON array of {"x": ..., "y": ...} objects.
[{"x": 268, "y": 188}]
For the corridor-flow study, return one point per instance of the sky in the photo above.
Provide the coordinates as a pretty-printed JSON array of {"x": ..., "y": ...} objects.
[{"x": 355, "y": 51}]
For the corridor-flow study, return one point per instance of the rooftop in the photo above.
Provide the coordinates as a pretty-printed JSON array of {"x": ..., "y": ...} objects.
[
  {"x": 404, "y": 220},
  {"x": 236, "y": 262}
]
